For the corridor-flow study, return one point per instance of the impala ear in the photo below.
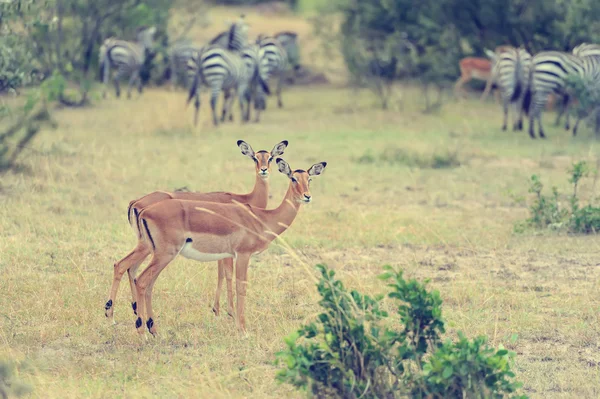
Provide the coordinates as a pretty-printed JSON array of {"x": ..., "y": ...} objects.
[
  {"x": 279, "y": 148},
  {"x": 317, "y": 169},
  {"x": 284, "y": 167},
  {"x": 246, "y": 148}
]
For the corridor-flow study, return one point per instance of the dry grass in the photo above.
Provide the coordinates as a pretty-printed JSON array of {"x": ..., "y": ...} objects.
[{"x": 63, "y": 225}]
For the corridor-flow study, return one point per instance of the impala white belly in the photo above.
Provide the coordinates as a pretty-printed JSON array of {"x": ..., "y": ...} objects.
[{"x": 189, "y": 252}]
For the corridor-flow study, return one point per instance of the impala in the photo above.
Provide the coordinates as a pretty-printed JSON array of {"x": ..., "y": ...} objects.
[
  {"x": 478, "y": 69},
  {"x": 258, "y": 197},
  {"x": 208, "y": 231}
]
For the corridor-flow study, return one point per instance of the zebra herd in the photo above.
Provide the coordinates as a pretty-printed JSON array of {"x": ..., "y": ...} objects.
[
  {"x": 527, "y": 81},
  {"x": 228, "y": 64}
]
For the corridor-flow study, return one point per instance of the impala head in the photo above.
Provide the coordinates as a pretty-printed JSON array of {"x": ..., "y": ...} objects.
[
  {"x": 300, "y": 179},
  {"x": 262, "y": 158}
]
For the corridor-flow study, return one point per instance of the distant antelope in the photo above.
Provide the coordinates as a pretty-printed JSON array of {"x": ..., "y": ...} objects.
[
  {"x": 208, "y": 231},
  {"x": 257, "y": 197},
  {"x": 472, "y": 68}
]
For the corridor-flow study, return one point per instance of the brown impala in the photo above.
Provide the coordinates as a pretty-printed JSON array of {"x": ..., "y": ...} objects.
[
  {"x": 209, "y": 231},
  {"x": 258, "y": 197}
]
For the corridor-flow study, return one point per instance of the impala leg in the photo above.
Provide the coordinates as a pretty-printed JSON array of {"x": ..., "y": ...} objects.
[
  {"x": 241, "y": 282},
  {"x": 144, "y": 284},
  {"x": 132, "y": 260},
  {"x": 228, "y": 268},
  {"x": 131, "y": 272},
  {"x": 220, "y": 278}
]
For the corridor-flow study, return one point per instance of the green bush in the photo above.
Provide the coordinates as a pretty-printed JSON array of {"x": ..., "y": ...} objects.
[
  {"x": 10, "y": 386},
  {"x": 352, "y": 351},
  {"x": 561, "y": 212},
  {"x": 587, "y": 93}
]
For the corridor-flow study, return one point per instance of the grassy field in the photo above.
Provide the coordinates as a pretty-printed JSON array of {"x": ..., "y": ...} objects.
[{"x": 63, "y": 224}]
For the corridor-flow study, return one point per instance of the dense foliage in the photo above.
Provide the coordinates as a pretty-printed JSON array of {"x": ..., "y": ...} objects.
[
  {"x": 443, "y": 31},
  {"x": 351, "y": 350},
  {"x": 64, "y": 35}
]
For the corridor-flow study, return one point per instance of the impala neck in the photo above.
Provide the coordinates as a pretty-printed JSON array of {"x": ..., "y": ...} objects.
[
  {"x": 260, "y": 193},
  {"x": 279, "y": 219}
]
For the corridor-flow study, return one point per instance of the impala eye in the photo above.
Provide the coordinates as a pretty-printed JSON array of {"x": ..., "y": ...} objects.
[
  {"x": 270, "y": 159},
  {"x": 255, "y": 160},
  {"x": 294, "y": 180}
]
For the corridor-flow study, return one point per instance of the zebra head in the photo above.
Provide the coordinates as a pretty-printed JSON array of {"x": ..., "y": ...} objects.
[
  {"x": 238, "y": 34},
  {"x": 145, "y": 36}
]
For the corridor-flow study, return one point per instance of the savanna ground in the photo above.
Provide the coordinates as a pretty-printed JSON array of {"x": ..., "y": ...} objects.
[{"x": 63, "y": 224}]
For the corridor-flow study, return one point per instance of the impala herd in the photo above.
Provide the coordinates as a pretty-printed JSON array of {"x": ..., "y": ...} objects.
[{"x": 209, "y": 227}]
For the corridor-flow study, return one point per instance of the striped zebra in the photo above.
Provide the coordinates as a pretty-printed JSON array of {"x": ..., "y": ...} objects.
[
  {"x": 126, "y": 57},
  {"x": 549, "y": 71},
  {"x": 511, "y": 72},
  {"x": 289, "y": 41},
  {"x": 179, "y": 55},
  {"x": 591, "y": 53},
  {"x": 233, "y": 39},
  {"x": 222, "y": 71},
  {"x": 274, "y": 58},
  {"x": 259, "y": 75}
]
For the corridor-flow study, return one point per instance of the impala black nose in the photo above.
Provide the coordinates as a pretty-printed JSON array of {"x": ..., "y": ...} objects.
[{"x": 307, "y": 197}]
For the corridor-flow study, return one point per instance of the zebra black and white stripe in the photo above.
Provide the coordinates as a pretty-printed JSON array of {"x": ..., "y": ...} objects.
[
  {"x": 235, "y": 38},
  {"x": 591, "y": 52},
  {"x": 126, "y": 57},
  {"x": 511, "y": 72},
  {"x": 179, "y": 55},
  {"x": 550, "y": 70},
  {"x": 289, "y": 41},
  {"x": 274, "y": 59},
  {"x": 259, "y": 73},
  {"x": 220, "y": 70}
]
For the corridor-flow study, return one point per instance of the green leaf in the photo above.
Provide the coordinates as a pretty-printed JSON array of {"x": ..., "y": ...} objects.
[
  {"x": 502, "y": 352},
  {"x": 447, "y": 372}
]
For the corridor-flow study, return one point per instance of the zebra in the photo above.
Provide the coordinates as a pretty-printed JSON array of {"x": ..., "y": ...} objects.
[
  {"x": 233, "y": 39},
  {"x": 221, "y": 70},
  {"x": 179, "y": 55},
  {"x": 127, "y": 57},
  {"x": 548, "y": 73},
  {"x": 511, "y": 71},
  {"x": 259, "y": 74},
  {"x": 592, "y": 53},
  {"x": 274, "y": 58},
  {"x": 289, "y": 41}
]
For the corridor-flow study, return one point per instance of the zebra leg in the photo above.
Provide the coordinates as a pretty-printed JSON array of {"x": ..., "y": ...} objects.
[
  {"x": 532, "y": 118},
  {"x": 197, "y": 106},
  {"x": 226, "y": 96},
  {"x": 106, "y": 76},
  {"x": 505, "y": 110},
  {"x": 576, "y": 126},
  {"x": 279, "y": 88},
  {"x": 214, "y": 98},
  {"x": 134, "y": 76},
  {"x": 116, "y": 79}
]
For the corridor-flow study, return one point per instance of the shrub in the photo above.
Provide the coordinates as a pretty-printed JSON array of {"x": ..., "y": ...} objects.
[
  {"x": 554, "y": 213},
  {"x": 350, "y": 350},
  {"x": 10, "y": 386}
]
